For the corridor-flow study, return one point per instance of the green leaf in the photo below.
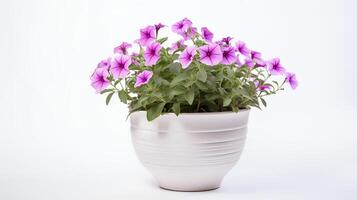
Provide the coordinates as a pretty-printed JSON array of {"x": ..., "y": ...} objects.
[
  {"x": 123, "y": 96},
  {"x": 106, "y": 90},
  {"x": 230, "y": 73},
  {"x": 155, "y": 111},
  {"x": 161, "y": 81},
  {"x": 222, "y": 91},
  {"x": 143, "y": 100},
  {"x": 202, "y": 75},
  {"x": 109, "y": 97},
  {"x": 178, "y": 79},
  {"x": 162, "y": 40},
  {"x": 212, "y": 97},
  {"x": 189, "y": 96},
  {"x": 117, "y": 82},
  {"x": 201, "y": 86},
  {"x": 235, "y": 109},
  {"x": 176, "y": 108},
  {"x": 175, "y": 67},
  {"x": 176, "y": 91},
  {"x": 263, "y": 102},
  {"x": 227, "y": 101}
]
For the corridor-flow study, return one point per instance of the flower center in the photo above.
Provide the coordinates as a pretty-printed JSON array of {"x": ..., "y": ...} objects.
[
  {"x": 144, "y": 79},
  {"x": 189, "y": 56},
  {"x": 209, "y": 53},
  {"x": 101, "y": 79},
  {"x": 152, "y": 52},
  {"x": 275, "y": 66},
  {"x": 121, "y": 65},
  {"x": 225, "y": 53}
]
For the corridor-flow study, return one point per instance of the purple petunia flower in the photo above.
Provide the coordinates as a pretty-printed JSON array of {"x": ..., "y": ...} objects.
[
  {"x": 120, "y": 66},
  {"x": 291, "y": 79},
  {"x": 248, "y": 62},
  {"x": 123, "y": 48},
  {"x": 229, "y": 56},
  {"x": 262, "y": 87},
  {"x": 210, "y": 54},
  {"x": 275, "y": 67},
  {"x": 143, "y": 78},
  {"x": 147, "y": 35},
  {"x": 187, "y": 56},
  {"x": 255, "y": 55},
  {"x": 257, "y": 58},
  {"x": 176, "y": 45},
  {"x": 152, "y": 54},
  {"x": 226, "y": 41},
  {"x": 99, "y": 79},
  {"x": 206, "y": 34},
  {"x": 192, "y": 31},
  {"x": 159, "y": 26},
  {"x": 242, "y": 48},
  {"x": 104, "y": 63},
  {"x": 238, "y": 62},
  {"x": 134, "y": 57},
  {"x": 261, "y": 63},
  {"x": 182, "y": 26}
]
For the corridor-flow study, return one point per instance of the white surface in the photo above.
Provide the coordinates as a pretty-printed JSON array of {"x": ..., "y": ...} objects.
[
  {"x": 192, "y": 151},
  {"x": 59, "y": 141}
]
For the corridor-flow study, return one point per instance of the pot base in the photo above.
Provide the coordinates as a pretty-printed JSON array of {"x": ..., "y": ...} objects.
[{"x": 176, "y": 189}]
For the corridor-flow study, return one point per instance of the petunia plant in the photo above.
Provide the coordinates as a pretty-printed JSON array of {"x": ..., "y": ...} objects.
[{"x": 193, "y": 74}]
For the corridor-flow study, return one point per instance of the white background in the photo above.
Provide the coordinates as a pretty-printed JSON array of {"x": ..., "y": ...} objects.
[{"x": 58, "y": 140}]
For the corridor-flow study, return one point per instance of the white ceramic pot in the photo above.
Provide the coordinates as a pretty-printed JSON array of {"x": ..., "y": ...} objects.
[{"x": 192, "y": 151}]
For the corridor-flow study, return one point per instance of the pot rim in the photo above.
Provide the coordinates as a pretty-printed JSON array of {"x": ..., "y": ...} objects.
[{"x": 202, "y": 113}]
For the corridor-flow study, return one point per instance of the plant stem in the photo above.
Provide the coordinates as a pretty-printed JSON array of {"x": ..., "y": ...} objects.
[{"x": 199, "y": 102}]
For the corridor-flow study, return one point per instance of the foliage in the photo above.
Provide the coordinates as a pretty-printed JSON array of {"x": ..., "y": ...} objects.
[{"x": 197, "y": 88}]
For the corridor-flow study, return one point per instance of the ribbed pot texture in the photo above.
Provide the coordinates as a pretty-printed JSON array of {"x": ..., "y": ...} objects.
[{"x": 192, "y": 151}]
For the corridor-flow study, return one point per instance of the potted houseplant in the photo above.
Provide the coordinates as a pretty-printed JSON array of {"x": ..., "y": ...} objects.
[{"x": 189, "y": 102}]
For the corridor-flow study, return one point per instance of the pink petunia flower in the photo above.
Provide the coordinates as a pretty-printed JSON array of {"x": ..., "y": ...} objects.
[
  {"x": 176, "y": 45},
  {"x": 193, "y": 31},
  {"x": 182, "y": 26},
  {"x": 229, "y": 56},
  {"x": 143, "y": 78},
  {"x": 291, "y": 79},
  {"x": 255, "y": 55},
  {"x": 134, "y": 57},
  {"x": 224, "y": 42},
  {"x": 123, "y": 48},
  {"x": 227, "y": 40},
  {"x": 238, "y": 62},
  {"x": 152, "y": 54},
  {"x": 187, "y": 56},
  {"x": 190, "y": 33},
  {"x": 274, "y": 66},
  {"x": 206, "y": 34},
  {"x": 99, "y": 79},
  {"x": 147, "y": 35},
  {"x": 257, "y": 58},
  {"x": 249, "y": 62},
  {"x": 261, "y": 87},
  {"x": 120, "y": 66},
  {"x": 210, "y": 54},
  {"x": 242, "y": 48},
  {"x": 159, "y": 26},
  {"x": 104, "y": 63}
]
